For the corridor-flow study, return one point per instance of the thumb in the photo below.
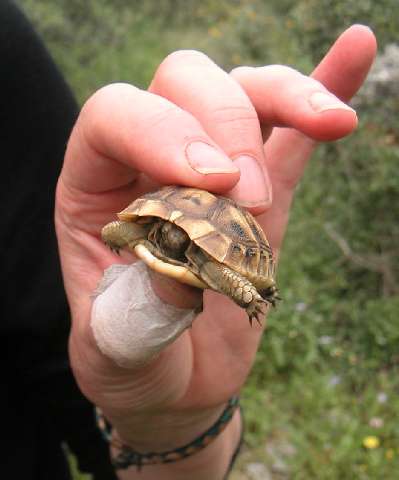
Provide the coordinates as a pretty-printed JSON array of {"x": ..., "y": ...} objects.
[{"x": 130, "y": 324}]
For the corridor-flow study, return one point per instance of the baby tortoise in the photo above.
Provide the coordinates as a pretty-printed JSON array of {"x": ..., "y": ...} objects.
[{"x": 200, "y": 239}]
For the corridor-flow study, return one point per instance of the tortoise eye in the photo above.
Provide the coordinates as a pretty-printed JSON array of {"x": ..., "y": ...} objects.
[{"x": 250, "y": 252}]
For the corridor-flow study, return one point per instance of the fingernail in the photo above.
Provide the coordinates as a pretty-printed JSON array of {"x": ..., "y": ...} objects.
[
  {"x": 253, "y": 189},
  {"x": 206, "y": 159},
  {"x": 321, "y": 102}
]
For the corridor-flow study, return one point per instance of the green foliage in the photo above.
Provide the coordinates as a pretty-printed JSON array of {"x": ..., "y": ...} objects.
[
  {"x": 340, "y": 272},
  {"x": 326, "y": 426},
  {"x": 329, "y": 356},
  {"x": 99, "y": 42},
  {"x": 319, "y": 22}
]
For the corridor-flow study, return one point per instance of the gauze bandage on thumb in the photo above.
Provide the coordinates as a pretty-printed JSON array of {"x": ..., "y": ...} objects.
[{"x": 131, "y": 325}]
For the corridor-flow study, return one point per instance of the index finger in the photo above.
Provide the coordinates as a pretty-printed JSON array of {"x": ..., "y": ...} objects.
[{"x": 123, "y": 131}]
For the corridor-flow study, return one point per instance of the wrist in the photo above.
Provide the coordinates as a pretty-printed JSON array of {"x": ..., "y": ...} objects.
[
  {"x": 175, "y": 444},
  {"x": 158, "y": 432},
  {"x": 210, "y": 463}
]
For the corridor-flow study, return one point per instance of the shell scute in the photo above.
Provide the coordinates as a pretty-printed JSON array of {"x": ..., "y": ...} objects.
[
  {"x": 225, "y": 231},
  {"x": 218, "y": 244}
]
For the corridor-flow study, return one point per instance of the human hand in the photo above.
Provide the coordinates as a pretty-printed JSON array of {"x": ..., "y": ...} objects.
[{"x": 126, "y": 142}]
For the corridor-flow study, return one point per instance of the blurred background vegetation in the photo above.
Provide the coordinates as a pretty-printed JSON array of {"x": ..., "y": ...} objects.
[{"x": 322, "y": 401}]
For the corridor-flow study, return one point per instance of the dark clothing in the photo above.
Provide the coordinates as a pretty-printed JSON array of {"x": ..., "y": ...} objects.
[{"x": 42, "y": 408}]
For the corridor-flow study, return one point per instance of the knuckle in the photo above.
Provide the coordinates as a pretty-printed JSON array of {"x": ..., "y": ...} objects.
[
  {"x": 242, "y": 71},
  {"x": 238, "y": 128},
  {"x": 172, "y": 64},
  {"x": 171, "y": 115},
  {"x": 98, "y": 107},
  {"x": 236, "y": 115},
  {"x": 290, "y": 80},
  {"x": 106, "y": 99},
  {"x": 183, "y": 56},
  {"x": 279, "y": 71},
  {"x": 106, "y": 96}
]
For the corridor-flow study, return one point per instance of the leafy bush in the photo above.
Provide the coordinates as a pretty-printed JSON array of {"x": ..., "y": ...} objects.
[{"x": 317, "y": 23}]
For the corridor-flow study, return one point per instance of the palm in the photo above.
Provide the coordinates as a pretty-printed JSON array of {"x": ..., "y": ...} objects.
[{"x": 219, "y": 337}]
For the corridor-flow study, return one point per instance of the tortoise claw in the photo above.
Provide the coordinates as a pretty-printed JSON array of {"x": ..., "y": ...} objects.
[
  {"x": 113, "y": 249},
  {"x": 257, "y": 319},
  {"x": 255, "y": 310},
  {"x": 273, "y": 302}
]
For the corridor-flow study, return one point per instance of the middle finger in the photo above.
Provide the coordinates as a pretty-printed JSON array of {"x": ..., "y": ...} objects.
[{"x": 193, "y": 82}]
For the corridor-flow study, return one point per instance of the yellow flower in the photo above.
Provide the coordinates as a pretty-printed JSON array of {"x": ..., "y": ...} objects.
[
  {"x": 371, "y": 442},
  {"x": 389, "y": 454}
]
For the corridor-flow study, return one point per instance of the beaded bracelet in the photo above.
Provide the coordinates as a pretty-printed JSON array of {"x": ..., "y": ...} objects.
[{"x": 127, "y": 456}]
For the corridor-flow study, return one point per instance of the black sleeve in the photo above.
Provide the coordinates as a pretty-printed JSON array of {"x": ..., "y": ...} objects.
[{"x": 42, "y": 407}]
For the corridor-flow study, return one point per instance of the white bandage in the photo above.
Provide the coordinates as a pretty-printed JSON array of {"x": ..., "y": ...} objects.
[{"x": 131, "y": 324}]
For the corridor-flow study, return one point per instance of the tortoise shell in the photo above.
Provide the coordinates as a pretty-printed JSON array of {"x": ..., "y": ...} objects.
[{"x": 224, "y": 230}]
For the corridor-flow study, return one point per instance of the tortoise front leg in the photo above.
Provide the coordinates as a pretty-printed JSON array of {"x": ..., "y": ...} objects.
[
  {"x": 224, "y": 280},
  {"x": 119, "y": 234}
]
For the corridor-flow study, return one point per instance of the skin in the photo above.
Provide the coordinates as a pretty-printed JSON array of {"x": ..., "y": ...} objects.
[{"x": 127, "y": 141}]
